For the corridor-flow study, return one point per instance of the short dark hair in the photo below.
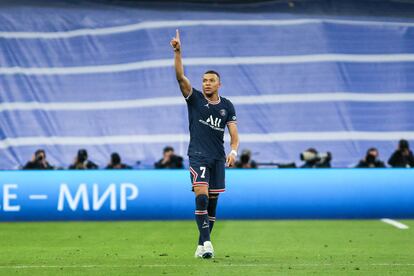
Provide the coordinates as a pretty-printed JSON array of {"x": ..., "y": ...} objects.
[
  {"x": 372, "y": 149},
  {"x": 115, "y": 158},
  {"x": 403, "y": 144},
  {"x": 168, "y": 148},
  {"x": 39, "y": 151},
  {"x": 82, "y": 155},
  {"x": 213, "y": 72}
]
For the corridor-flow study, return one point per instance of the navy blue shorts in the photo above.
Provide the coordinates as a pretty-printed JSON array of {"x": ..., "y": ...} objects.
[{"x": 209, "y": 173}]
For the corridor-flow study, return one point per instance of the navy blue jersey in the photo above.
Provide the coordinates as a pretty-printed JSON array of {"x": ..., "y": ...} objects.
[{"x": 207, "y": 123}]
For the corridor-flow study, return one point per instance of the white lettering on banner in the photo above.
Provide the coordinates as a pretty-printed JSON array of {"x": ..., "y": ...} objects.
[
  {"x": 7, "y": 196},
  {"x": 128, "y": 191},
  {"x": 73, "y": 202},
  {"x": 98, "y": 202},
  {"x": 124, "y": 197}
]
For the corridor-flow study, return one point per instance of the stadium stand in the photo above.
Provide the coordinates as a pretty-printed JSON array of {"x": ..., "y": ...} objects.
[{"x": 100, "y": 77}]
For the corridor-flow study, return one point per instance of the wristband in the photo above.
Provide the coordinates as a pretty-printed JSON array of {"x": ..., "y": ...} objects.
[{"x": 234, "y": 153}]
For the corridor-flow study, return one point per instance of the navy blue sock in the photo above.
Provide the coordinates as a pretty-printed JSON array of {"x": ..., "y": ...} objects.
[
  {"x": 212, "y": 206},
  {"x": 201, "y": 215}
]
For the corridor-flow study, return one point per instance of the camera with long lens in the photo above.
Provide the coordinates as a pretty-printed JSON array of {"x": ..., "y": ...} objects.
[
  {"x": 371, "y": 158},
  {"x": 245, "y": 158},
  {"x": 39, "y": 157},
  {"x": 82, "y": 155},
  {"x": 318, "y": 158}
]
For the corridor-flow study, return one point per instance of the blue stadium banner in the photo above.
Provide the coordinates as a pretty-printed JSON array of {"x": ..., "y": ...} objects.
[{"x": 166, "y": 194}]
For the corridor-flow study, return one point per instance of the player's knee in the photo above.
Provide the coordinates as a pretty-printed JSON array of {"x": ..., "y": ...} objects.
[
  {"x": 201, "y": 190},
  {"x": 202, "y": 202},
  {"x": 213, "y": 195}
]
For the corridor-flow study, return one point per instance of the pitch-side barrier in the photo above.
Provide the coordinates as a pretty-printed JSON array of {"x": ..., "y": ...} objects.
[{"x": 166, "y": 194}]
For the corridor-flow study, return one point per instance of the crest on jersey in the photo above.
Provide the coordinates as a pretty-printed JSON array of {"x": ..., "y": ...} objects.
[{"x": 222, "y": 112}]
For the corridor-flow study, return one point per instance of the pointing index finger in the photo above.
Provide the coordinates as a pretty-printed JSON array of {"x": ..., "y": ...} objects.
[{"x": 177, "y": 34}]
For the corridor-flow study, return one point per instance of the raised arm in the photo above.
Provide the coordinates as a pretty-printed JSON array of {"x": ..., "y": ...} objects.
[
  {"x": 184, "y": 83},
  {"x": 234, "y": 144}
]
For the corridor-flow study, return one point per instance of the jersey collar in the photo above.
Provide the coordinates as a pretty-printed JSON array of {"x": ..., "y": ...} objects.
[{"x": 213, "y": 102}]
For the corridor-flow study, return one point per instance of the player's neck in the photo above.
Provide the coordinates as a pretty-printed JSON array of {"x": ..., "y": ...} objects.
[{"x": 212, "y": 98}]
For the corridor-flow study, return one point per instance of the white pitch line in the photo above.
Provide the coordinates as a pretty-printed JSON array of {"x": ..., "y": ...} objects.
[
  {"x": 395, "y": 223},
  {"x": 239, "y": 100},
  {"x": 191, "y": 265},
  {"x": 191, "y": 23},
  {"x": 393, "y": 264}
]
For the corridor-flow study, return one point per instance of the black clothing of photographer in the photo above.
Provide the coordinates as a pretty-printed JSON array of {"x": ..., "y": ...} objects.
[
  {"x": 402, "y": 157},
  {"x": 82, "y": 162},
  {"x": 313, "y": 159},
  {"x": 38, "y": 162},
  {"x": 245, "y": 161},
  {"x": 169, "y": 160},
  {"x": 116, "y": 163},
  {"x": 371, "y": 160}
]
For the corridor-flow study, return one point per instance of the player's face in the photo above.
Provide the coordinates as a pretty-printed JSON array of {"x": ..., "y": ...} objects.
[{"x": 211, "y": 84}]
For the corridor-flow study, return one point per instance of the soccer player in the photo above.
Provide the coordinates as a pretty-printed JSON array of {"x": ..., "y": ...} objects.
[{"x": 208, "y": 114}]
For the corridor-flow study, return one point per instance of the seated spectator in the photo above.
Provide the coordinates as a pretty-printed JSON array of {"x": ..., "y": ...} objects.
[
  {"x": 116, "y": 163},
  {"x": 169, "y": 160},
  {"x": 313, "y": 159},
  {"x": 38, "y": 162},
  {"x": 245, "y": 161},
  {"x": 402, "y": 157},
  {"x": 371, "y": 160},
  {"x": 82, "y": 162}
]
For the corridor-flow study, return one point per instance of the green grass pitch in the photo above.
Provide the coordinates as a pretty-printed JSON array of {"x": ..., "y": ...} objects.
[{"x": 367, "y": 247}]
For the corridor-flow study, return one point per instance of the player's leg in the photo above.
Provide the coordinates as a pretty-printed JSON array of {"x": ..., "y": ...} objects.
[
  {"x": 212, "y": 206},
  {"x": 216, "y": 187},
  {"x": 211, "y": 209},
  {"x": 206, "y": 249},
  {"x": 201, "y": 195},
  {"x": 200, "y": 174}
]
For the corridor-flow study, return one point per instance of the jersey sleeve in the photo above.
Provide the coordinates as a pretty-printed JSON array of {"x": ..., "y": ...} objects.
[
  {"x": 193, "y": 97},
  {"x": 231, "y": 118}
]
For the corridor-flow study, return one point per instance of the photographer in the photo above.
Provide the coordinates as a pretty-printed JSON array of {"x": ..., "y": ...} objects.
[
  {"x": 371, "y": 160},
  {"x": 169, "y": 160},
  {"x": 38, "y": 162},
  {"x": 403, "y": 156},
  {"x": 313, "y": 159},
  {"x": 82, "y": 162},
  {"x": 116, "y": 163},
  {"x": 245, "y": 161}
]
